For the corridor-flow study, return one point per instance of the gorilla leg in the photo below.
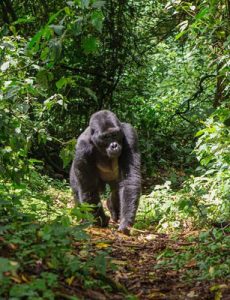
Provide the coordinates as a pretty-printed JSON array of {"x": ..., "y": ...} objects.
[
  {"x": 73, "y": 184},
  {"x": 86, "y": 186},
  {"x": 75, "y": 195},
  {"x": 113, "y": 204},
  {"x": 98, "y": 212}
]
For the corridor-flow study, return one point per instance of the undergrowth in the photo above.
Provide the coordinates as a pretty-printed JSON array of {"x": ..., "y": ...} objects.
[{"x": 39, "y": 231}]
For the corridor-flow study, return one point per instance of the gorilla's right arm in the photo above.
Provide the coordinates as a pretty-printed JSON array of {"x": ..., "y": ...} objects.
[
  {"x": 84, "y": 179},
  {"x": 81, "y": 176}
]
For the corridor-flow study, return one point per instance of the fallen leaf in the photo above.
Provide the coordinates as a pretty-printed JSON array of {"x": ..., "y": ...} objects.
[
  {"x": 150, "y": 237},
  {"x": 119, "y": 262},
  {"x": 49, "y": 264},
  {"x": 12, "y": 246},
  {"x": 152, "y": 275},
  {"x": 102, "y": 245},
  {"x": 218, "y": 287},
  {"x": 171, "y": 273},
  {"x": 24, "y": 278},
  {"x": 83, "y": 253},
  {"x": 95, "y": 295},
  {"x": 13, "y": 263},
  {"x": 70, "y": 280},
  {"x": 156, "y": 295},
  {"x": 192, "y": 263},
  {"x": 16, "y": 278},
  {"x": 191, "y": 294}
]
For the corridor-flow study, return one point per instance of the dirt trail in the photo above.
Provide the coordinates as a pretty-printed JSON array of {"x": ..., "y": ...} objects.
[{"x": 135, "y": 257}]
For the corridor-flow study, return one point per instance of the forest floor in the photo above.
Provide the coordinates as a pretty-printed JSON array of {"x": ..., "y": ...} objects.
[
  {"x": 43, "y": 256},
  {"x": 136, "y": 277}
]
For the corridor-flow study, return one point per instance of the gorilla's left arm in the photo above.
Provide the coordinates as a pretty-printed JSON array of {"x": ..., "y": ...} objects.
[{"x": 130, "y": 184}]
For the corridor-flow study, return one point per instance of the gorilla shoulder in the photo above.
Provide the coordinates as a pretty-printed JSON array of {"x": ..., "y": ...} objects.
[
  {"x": 130, "y": 135},
  {"x": 84, "y": 146}
]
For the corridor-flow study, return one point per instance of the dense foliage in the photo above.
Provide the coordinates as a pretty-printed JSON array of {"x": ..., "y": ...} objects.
[{"x": 161, "y": 65}]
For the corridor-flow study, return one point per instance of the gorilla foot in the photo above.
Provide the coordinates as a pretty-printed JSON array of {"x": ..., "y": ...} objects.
[
  {"x": 124, "y": 229},
  {"x": 114, "y": 214},
  {"x": 102, "y": 222},
  {"x": 114, "y": 218}
]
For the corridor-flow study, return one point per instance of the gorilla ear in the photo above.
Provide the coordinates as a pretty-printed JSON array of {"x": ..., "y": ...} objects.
[{"x": 92, "y": 131}]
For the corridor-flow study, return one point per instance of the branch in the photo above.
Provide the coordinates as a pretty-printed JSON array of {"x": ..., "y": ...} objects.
[{"x": 187, "y": 102}]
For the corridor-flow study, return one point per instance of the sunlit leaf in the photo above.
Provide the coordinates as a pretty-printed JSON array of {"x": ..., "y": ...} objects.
[{"x": 202, "y": 13}]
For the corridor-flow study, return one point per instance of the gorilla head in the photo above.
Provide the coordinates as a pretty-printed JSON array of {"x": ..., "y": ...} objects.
[{"x": 106, "y": 133}]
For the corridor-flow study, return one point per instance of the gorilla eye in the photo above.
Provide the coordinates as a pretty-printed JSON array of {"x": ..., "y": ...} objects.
[
  {"x": 117, "y": 136},
  {"x": 92, "y": 131}
]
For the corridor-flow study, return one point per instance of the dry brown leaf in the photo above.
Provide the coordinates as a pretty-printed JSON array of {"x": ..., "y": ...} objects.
[
  {"x": 12, "y": 246},
  {"x": 119, "y": 262},
  {"x": 24, "y": 278},
  {"x": 192, "y": 263},
  {"x": 94, "y": 295},
  {"x": 16, "y": 278},
  {"x": 192, "y": 294},
  {"x": 156, "y": 296}
]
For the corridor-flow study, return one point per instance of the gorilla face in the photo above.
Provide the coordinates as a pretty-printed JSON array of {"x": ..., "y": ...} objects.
[
  {"x": 109, "y": 142},
  {"x": 106, "y": 134}
]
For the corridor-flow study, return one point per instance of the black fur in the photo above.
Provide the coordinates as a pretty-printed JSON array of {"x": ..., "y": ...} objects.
[{"x": 107, "y": 152}]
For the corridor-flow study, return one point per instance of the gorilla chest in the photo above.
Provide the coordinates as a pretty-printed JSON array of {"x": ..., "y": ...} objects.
[{"x": 108, "y": 171}]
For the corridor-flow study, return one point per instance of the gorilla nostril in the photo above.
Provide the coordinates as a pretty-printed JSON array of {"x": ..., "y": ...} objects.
[{"x": 114, "y": 145}]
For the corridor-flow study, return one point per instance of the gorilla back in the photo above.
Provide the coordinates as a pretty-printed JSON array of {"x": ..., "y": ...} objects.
[{"x": 107, "y": 153}]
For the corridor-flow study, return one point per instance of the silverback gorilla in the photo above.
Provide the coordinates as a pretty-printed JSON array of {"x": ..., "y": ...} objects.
[{"x": 107, "y": 152}]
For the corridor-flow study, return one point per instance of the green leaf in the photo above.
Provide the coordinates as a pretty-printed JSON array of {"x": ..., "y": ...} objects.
[
  {"x": 199, "y": 133},
  {"x": 67, "y": 10},
  {"x": 97, "y": 20},
  {"x": 180, "y": 34},
  {"x": 7, "y": 265},
  {"x": 80, "y": 235},
  {"x": 85, "y": 3},
  {"x": 98, "y": 4},
  {"x": 67, "y": 152},
  {"x": 205, "y": 161},
  {"x": 61, "y": 82},
  {"x": 12, "y": 92},
  {"x": 25, "y": 20},
  {"x": 91, "y": 93},
  {"x": 77, "y": 26},
  {"x": 100, "y": 263},
  {"x": 90, "y": 44},
  {"x": 58, "y": 29},
  {"x": 5, "y": 66},
  {"x": 43, "y": 78},
  {"x": 45, "y": 53},
  {"x": 36, "y": 38},
  {"x": 202, "y": 13},
  {"x": 56, "y": 48},
  {"x": 54, "y": 16}
]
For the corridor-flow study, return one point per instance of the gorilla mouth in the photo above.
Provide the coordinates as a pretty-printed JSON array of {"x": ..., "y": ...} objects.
[
  {"x": 113, "y": 153},
  {"x": 114, "y": 149}
]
